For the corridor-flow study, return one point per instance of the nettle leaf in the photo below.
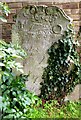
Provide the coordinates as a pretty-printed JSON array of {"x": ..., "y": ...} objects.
[
  {"x": 1, "y": 54},
  {"x": 20, "y": 70},
  {"x": 15, "y": 95},
  {"x": 18, "y": 65},
  {"x": 10, "y": 64},
  {"x": 2, "y": 64},
  {"x": 1, "y": 103},
  {"x": 3, "y": 19},
  {"x": 16, "y": 56},
  {"x": 11, "y": 110},
  {"x": 3, "y": 43}
]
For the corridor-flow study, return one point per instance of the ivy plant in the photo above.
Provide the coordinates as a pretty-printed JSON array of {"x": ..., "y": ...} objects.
[
  {"x": 63, "y": 70},
  {"x": 4, "y": 11},
  {"x": 16, "y": 99}
]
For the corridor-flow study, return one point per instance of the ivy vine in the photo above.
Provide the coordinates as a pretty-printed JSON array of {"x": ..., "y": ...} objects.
[{"x": 63, "y": 70}]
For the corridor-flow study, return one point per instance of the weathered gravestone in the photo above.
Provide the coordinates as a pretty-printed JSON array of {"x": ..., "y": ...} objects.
[{"x": 36, "y": 29}]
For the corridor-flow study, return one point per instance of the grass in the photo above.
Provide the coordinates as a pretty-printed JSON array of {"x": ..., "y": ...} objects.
[{"x": 53, "y": 110}]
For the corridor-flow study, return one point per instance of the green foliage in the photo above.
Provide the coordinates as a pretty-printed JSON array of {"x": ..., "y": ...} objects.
[
  {"x": 4, "y": 11},
  {"x": 68, "y": 110},
  {"x": 53, "y": 110},
  {"x": 63, "y": 70},
  {"x": 36, "y": 111},
  {"x": 15, "y": 99}
]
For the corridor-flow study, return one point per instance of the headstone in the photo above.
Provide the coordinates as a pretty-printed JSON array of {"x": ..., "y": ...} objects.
[{"x": 36, "y": 29}]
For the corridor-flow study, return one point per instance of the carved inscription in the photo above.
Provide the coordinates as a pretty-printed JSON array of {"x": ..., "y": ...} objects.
[{"x": 36, "y": 29}]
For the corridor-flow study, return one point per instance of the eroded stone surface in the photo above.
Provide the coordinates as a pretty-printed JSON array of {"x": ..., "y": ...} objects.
[
  {"x": 76, "y": 94},
  {"x": 36, "y": 29}
]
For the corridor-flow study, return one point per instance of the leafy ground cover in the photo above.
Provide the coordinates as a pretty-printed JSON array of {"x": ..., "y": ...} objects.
[
  {"x": 16, "y": 101},
  {"x": 52, "y": 109},
  {"x": 14, "y": 96}
]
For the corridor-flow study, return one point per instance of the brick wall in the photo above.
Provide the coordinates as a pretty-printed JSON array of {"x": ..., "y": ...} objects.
[
  {"x": 73, "y": 9},
  {"x": 59, "y": 1}
]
